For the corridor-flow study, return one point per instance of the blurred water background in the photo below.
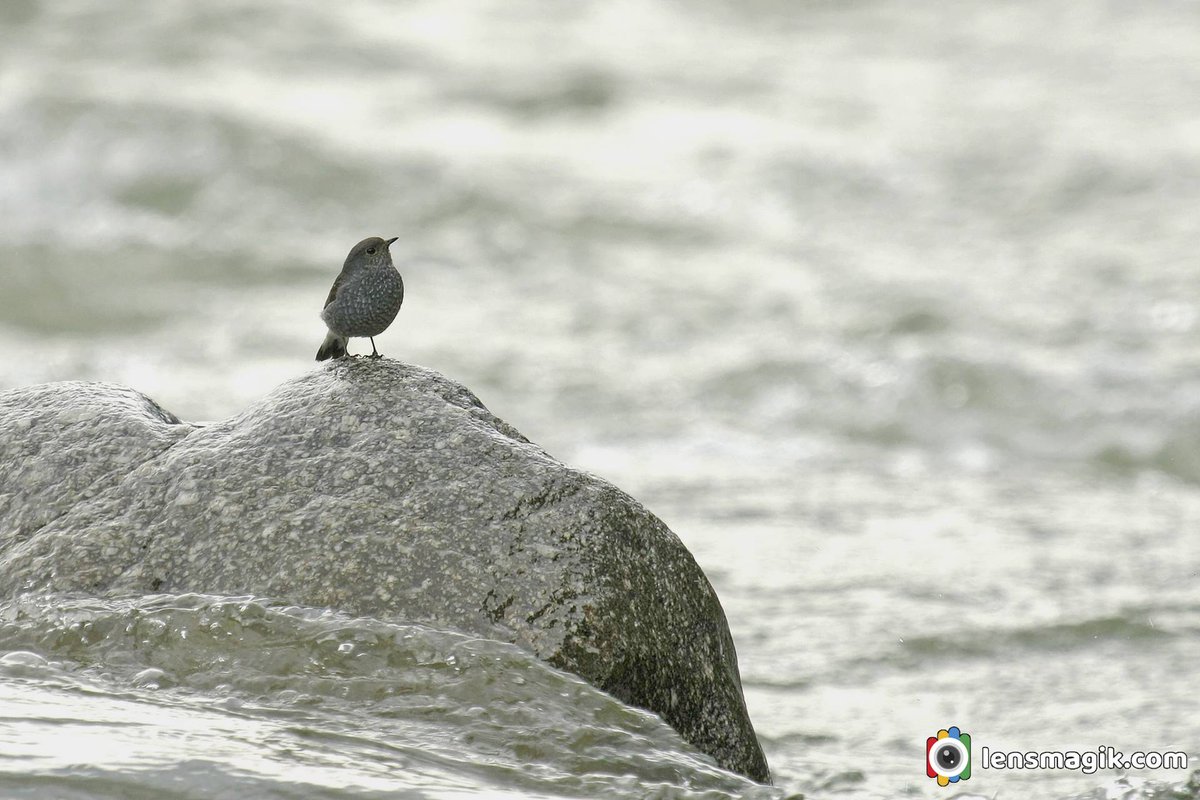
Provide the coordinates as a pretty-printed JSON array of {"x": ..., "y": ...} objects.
[{"x": 889, "y": 310}]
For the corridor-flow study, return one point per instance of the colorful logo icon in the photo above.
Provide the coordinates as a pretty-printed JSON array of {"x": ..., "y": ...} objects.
[{"x": 948, "y": 756}]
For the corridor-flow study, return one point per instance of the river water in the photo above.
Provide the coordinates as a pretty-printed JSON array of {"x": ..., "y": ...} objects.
[{"x": 888, "y": 310}]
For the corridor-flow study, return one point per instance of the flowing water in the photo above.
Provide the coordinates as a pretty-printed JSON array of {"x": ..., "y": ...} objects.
[{"x": 889, "y": 310}]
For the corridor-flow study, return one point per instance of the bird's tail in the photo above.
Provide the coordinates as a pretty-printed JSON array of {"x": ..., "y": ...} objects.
[{"x": 332, "y": 347}]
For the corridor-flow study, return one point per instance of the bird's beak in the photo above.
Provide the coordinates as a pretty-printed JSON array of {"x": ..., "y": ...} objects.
[{"x": 389, "y": 241}]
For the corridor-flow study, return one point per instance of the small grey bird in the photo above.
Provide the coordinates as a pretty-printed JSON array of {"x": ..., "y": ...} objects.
[{"x": 365, "y": 297}]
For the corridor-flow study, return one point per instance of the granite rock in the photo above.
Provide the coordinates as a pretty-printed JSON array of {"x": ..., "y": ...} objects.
[{"x": 381, "y": 489}]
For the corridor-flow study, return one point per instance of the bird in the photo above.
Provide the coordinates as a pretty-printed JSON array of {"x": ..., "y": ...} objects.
[{"x": 364, "y": 299}]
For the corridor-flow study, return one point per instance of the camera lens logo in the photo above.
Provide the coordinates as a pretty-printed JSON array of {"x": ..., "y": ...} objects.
[{"x": 948, "y": 756}]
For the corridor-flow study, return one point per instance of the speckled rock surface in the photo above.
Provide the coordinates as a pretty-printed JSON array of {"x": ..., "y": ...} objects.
[{"x": 380, "y": 489}]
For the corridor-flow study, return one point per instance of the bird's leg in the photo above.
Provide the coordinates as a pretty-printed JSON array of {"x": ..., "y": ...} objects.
[{"x": 374, "y": 352}]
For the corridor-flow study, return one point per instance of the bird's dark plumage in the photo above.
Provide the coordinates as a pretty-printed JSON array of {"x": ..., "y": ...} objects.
[
  {"x": 332, "y": 347},
  {"x": 364, "y": 299}
]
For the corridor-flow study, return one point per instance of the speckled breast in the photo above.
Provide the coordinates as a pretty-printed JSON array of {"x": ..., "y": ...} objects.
[{"x": 366, "y": 303}]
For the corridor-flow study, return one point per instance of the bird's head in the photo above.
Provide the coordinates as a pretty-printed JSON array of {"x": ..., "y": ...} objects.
[{"x": 371, "y": 252}]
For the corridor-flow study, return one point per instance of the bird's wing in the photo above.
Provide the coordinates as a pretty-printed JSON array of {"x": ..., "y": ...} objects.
[{"x": 333, "y": 289}]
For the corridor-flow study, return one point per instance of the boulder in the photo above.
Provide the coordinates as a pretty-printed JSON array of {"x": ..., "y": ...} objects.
[{"x": 381, "y": 489}]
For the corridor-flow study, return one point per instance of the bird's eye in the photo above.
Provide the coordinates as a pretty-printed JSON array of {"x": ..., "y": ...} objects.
[{"x": 370, "y": 251}]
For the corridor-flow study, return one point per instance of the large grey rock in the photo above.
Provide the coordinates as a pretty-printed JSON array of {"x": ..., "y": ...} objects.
[{"x": 381, "y": 489}]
